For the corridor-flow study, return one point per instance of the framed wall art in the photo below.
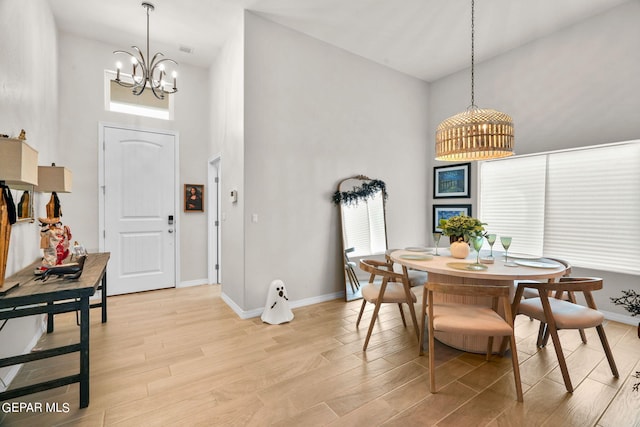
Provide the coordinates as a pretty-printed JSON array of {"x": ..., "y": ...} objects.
[
  {"x": 446, "y": 212},
  {"x": 451, "y": 181},
  {"x": 194, "y": 197}
]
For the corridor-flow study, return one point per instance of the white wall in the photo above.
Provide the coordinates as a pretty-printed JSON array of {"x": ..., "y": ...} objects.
[
  {"x": 577, "y": 87},
  {"x": 227, "y": 130},
  {"x": 315, "y": 114},
  {"x": 28, "y": 100},
  {"x": 82, "y": 64}
]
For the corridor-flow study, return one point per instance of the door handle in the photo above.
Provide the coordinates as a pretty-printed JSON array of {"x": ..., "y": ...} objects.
[{"x": 170, "y": 230}]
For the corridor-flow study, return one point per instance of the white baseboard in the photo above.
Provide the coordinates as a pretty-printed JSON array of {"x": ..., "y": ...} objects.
[
  {"x": 628, "y": 320},
  {"x": 192, "y": 283},
  {"x": 292, "y": 304}
]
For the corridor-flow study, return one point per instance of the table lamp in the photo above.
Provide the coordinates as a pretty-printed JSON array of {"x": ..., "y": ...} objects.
[
  {"x": 54, "y": 179},
  {"x": 18, "y": 165}
]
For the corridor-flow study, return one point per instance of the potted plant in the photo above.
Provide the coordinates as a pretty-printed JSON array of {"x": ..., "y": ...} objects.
[
  {"x": 461, "y": 229},
  {"x": 630, "y": 300}
]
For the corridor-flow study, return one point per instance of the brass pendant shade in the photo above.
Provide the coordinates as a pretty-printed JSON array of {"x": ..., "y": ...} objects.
[{"x": 476, "y": 134}]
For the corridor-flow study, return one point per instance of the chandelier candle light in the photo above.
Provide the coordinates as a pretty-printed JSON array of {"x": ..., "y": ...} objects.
[
  {"x": 476, "y": 134},
  {"x": 151, "y": 74}
]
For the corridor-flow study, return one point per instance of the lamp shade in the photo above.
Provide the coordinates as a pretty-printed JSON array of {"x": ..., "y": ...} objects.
[
  {"x": 18, "y": 162},
  {"x": 476, "y": 134},
  {"x": 54, "y": 179}
]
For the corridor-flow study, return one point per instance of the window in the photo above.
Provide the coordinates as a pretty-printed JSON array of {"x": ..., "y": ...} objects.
[
  {"x": 122, "y": 100},
  {"x": 364, "y": 226},
  {"x": 580, "y": 205}
]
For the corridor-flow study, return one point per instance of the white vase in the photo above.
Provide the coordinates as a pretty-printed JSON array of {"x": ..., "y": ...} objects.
[{"x": 459, "y": 249}]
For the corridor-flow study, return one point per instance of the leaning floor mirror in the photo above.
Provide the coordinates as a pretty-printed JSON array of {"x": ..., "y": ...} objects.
[{"x": 364, "y": 233}]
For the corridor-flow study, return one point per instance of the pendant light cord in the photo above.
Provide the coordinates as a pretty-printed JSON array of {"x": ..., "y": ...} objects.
[{"x": 473, "y": 30}]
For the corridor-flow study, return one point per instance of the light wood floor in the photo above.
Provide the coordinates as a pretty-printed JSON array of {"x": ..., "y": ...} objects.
[{"x": 181, "y": 357}]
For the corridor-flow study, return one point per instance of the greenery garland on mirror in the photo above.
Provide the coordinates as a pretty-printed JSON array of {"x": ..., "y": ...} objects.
[{"x": 366, "y": 191}]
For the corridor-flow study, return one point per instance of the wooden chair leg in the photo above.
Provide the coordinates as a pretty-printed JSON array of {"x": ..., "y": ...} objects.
[
  {"x": 361, "y": 311},
  {"x": 572, "y": 298},
  {"x": 489, "y": 348},
  {"x": 422, "y": 322},
  {"x": 404, "y": 322},
  {"x": 561, "y": 360},
  {"x": 503, "y": 346},
  {"x": 432, "y": 359},
  {"x": 516, "y": 368},
  {"x": 350, "y": 276},
  {"x": 412, "y": 309},
  {"x": 373, "y": 322},
  {"x": 607, "y": 350}
]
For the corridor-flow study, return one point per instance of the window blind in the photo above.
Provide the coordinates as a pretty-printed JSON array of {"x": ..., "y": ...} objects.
[
  {"x": 364, "y": 226},
  {"x": 593, "y": 215},
  {"x": 512, "y": 202},
  {"x": 579, "y": 205}
]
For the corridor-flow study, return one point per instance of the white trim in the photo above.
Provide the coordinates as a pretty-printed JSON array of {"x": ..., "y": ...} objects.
[
  {"x": 564, "y": 150},
  {"x": 621, "y": 318},
  {"x": 140, "y": 110},
  {"x": 190, "y": 283},
  {"x": 214, "y": 170},
  {"x": 292, "y": 304}
]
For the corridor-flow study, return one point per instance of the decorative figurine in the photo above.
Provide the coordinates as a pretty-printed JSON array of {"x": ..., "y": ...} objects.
[{"x": 277, "y": 310}]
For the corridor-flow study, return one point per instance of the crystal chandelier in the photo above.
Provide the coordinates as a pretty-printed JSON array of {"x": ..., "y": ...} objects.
[
  {"x": 476, "y": 134},
  {"x": 145, "y": 74}
]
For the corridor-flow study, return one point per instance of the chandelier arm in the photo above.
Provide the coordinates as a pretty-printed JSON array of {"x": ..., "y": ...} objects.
[
  {"x": 141, "y": 86},
  {"x": 142, "y": 60}
]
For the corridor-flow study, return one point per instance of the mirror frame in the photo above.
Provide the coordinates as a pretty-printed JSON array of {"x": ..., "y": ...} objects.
[{"x": 350, "y": 294}]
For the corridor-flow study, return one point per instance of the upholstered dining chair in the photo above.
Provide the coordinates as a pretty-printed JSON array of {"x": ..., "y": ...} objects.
[
  {"x": 557, "y": 313},
  {"x": 543, "y": 332},
  {"x": 393, "y": 288},
  {"x": 469, "y": 320}
]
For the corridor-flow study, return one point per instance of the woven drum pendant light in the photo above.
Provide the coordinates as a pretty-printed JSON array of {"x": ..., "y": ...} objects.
[{"x": 476, "y": 134}]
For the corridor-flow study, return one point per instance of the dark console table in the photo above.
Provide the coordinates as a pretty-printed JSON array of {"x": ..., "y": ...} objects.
[{"x": 26, "y": 297}]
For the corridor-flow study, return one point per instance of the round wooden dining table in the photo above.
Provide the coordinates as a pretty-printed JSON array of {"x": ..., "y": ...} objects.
[{"x": 446, "y": 269}]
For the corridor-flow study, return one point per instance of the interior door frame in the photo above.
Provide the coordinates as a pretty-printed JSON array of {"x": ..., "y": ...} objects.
[
  {"x": 101, "y": 188},
  {"x": 214, "y": 240}
]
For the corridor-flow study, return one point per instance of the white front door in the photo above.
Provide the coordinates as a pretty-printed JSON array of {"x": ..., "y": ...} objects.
[{"x": 139, "y": 209}]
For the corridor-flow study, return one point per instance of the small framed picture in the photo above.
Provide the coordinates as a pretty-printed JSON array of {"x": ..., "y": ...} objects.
[
  {"x": 194, "y": 198},
  {"x": 446, "y": 212},
  {"x": 451, "y": 181}
]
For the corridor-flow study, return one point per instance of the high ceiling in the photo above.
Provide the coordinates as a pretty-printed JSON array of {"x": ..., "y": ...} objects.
[{"x": 427, "y": 39}]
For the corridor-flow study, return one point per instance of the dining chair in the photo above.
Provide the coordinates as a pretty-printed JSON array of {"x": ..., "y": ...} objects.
[
  {"x": 557, "y": 313},
  {"x": 543, "y": 332},
  {"x": 416, "y": 277},
  {"x": 469, "y": 319},
  {"x": 393, "y": 288},
  {"x": 349, "y": 267}
]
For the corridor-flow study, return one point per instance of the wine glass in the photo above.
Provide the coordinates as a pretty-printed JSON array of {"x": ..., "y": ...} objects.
[
  {"x": 491, "y": 239},
  {"x": 436, "y": 238},
  {"x": 477, "y": 241},
  {"x": 506, "y": 242}
]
